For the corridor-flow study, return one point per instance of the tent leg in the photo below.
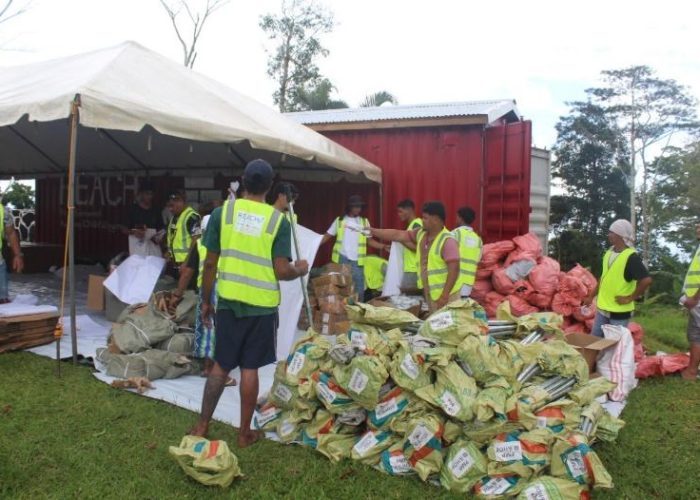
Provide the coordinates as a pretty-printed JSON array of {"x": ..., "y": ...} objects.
[{"x": 73, "y": 139}]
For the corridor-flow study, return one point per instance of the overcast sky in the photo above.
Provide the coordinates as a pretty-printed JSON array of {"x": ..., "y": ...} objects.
[{"x": 540, "y": 53}]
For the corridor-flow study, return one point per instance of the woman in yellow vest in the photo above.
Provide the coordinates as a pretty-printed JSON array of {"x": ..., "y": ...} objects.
[
  {"x": 350, "y": 233},
  {"x": 470, "y": 246},
  {"x": 438, "y": 254},
  {"x": 624, "y": 279},
  {"x": 249, "y": 251},
  {"x": 691, "y": 299},
  {"x": 8, "y": 232},
  {"x": 407, "y": 214}
]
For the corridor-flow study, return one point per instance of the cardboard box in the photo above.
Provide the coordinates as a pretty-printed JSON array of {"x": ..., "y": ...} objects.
[
  {"x": 333, "y": 304},
  {"x": 96, "y": 292},
  {"x": 330, "y": 324},
  {"x": 338, "y": 268},
  {"x": 326, "y": 290},
  {"x": 589, "y": 346},
  {"x": 332, "y": 279}
]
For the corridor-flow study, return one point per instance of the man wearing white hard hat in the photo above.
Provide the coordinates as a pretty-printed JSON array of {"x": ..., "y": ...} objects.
[{"x": 624, "y": 279}]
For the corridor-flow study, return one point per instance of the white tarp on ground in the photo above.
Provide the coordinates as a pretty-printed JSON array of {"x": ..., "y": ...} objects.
[
  {"x": 129, "y": 88},
  {"x": 135, "y": 278},
  {"x": 90, "y": 334}
]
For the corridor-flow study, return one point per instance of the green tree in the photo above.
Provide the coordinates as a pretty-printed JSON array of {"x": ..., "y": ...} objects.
[
  {"x": 675, "y": 198},
  {"x": 319, "y": 97},
  {"x": 651, "y": 111},
  {"x": 590, "y": 163},
  {"x": 292, "y": 63},
  {"x": 18, "y": 196},
  {"x": 378, "y": 98}
]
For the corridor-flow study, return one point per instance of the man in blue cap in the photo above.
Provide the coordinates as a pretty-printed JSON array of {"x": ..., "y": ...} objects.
[{"x": 248, "y": 251}]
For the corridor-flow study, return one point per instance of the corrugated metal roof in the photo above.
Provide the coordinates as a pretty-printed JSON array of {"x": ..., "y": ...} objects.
[{"x": 494, "y": 110}]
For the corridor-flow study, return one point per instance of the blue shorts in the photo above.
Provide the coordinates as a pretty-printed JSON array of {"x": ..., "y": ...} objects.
[{"x": 249, "y": 342}]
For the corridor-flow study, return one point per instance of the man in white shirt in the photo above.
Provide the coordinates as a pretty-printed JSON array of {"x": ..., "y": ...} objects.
[{"x": 351, "y": 241}]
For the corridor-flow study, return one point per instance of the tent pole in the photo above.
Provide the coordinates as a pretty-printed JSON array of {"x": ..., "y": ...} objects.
[{"x": 73, "y": 139}]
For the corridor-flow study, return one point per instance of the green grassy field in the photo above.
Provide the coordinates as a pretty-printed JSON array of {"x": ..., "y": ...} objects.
[{"x": 76, "y": 437}]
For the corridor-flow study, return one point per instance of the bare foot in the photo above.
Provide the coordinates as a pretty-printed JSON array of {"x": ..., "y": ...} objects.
[
  {"x": 246, "y": 439},
  {"x": 686, "y": 375},
  {"x": 199, "y": 430}
]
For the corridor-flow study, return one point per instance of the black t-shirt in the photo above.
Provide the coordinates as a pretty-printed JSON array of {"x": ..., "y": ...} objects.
[
  {"x": 149, "y": 217},
  {"x": 634, "y": 269}
]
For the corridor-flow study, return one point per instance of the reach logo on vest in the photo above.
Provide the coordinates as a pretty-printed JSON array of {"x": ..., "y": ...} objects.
[{"x": 249, "y": 224}]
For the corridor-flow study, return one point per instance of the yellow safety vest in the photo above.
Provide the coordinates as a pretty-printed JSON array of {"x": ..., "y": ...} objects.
[
  {"x": 692, "y": 279},
  {"x": 410, "y": 262},
  {"x": 2, "y": 224},
  {"x": 437, "y": 268},
  {"x": 340, "y": 234},
  {"x": 179, "y": 240},
  {"x": 246, "y": 272},
  {"x": 613, "y": 283},
  {"x": 202, "y": 250},
  {"x": 375, "y": 271},
  {"x": 469, "y": 253}
]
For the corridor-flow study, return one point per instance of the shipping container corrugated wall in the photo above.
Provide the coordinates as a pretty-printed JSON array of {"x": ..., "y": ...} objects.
[{"x": 452, "y": 164}]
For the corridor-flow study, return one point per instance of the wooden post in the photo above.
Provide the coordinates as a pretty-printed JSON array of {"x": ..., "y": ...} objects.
[{"x": 72, "y": 147}]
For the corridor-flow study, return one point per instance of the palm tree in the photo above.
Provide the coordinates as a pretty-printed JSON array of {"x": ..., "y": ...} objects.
[
  {"x": 378, "y": 98},
  {"x": 319, "y": 97}
]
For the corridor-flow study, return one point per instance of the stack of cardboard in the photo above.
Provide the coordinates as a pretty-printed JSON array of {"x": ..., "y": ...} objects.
[
  {"x": 328, "y": 294},
  {"x": 23, "y": 332}
]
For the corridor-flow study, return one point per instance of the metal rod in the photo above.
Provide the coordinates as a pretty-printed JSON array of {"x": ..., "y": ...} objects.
[
  {"x": 529, "y": 372},
  {"x": 563, "y": 390},
  {"x": 499, "y": 322},
  {"x": 556, "y": 386},
  {"x": 304, "y": 289},
  {"x": 550, "y": 382},
  {"x": 72, "y": 151},
  {"x": 502, "y": 329}
]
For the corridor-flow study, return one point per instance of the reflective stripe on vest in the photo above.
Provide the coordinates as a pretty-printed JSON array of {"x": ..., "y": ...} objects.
[
  {"x": 469, "y": 254},
  {"x": 2, "y": 224},
  {"x": 246, "y": 272},
  {"x": 436, "y": 271},
  {"x": 613, "y": 283},
  {"x": 410, "y": 261},
  {"x": 361, "y": 242},
  {"x": 179, "y": 240},
  {"x": 375, "y": 270},
  {"x": 692, "y": 278}
]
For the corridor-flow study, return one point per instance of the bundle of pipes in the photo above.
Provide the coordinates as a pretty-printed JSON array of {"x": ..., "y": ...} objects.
[
  {"x": 533, "y": 369},
  {"x": 586, "y": 426},
  {"x": 499, "y": 329},
  {"x": 558, "y": 386}
]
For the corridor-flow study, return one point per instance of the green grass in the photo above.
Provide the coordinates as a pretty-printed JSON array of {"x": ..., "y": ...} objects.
[{"x": 76, "y": 437}]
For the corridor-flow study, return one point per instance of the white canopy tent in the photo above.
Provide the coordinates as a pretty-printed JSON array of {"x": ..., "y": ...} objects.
[{"x": 128, "y": 109}]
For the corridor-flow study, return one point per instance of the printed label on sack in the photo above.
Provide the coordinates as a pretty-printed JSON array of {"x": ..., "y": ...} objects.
[
  {"x": 536, "y": 492},
  {"x": 506, "y": 452},
  {"x": 441, "y": 321},
  {"x": 358, "y": 340},
  {"x": 358, "y": 381},
  {"x": 461, "y": 463},
  {"x": 496, "y": 486},
  {"x": 297, "y": 363},
  {"x": 409, "y": 367},
  {"x": 250, "y": 224},
  {"x": 325, "y": 330},
  {"x": 282, "y": 392},
  {"x": 541, "y": 422},
  {"x": 326, "y": 317},
  {"x": 575, "y": 464},
  {"x": 267, "y": 416},
  {"x": 286, "y": 428},
  {"x": 327, "y": 395},
  {"x": 450, "y": 404},
  {"x": 365, "y": 444},
  {"x": 399, "y": 464},
  {"x": 386, "y": 408},
  {"x": 420, "y": 437}
]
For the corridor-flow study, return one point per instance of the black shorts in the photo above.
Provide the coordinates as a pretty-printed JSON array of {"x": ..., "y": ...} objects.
[{"x": 249, "y": 342}]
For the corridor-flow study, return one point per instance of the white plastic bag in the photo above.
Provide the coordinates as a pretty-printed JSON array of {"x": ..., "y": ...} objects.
[{"x": 617, "y": 362}]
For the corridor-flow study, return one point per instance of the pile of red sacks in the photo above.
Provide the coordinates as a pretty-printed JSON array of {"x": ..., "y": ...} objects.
[{"x": 515, "y": 270}]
